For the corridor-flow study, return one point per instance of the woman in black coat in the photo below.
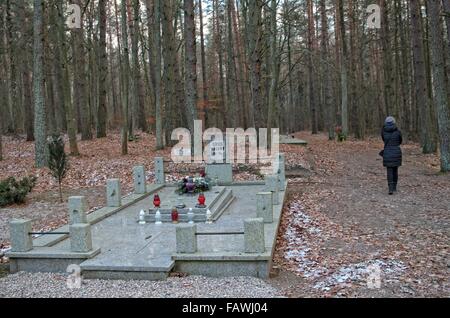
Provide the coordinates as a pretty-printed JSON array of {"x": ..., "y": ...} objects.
[{"x": 392, "y": 154}]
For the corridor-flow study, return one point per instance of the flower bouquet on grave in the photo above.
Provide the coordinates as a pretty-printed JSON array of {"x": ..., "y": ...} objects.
[{"x": 192, "y": 185}]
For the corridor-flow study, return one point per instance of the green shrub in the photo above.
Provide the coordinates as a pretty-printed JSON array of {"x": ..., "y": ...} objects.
[{"x": 13, "y": 191}]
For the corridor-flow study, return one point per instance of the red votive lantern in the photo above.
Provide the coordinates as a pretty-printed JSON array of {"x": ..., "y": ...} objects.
[
  {"x": 201, "y": 199},
  {"x": 156, "y": 201},
  {"x": 175, "y": 215}
]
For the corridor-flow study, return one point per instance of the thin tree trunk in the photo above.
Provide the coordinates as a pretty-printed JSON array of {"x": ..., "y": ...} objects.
[
  {"x": 102, "y": 72},
  {"x": 203, "y": 61},
  {"x": 421, "y": 87},
  {"x": 344, "y": 73},
  {"x": 125, "y": 79},
  {"x": 440, "y": 92},
  {"x": 190, "y": 64},
  {"x": 40, "y": 125}
]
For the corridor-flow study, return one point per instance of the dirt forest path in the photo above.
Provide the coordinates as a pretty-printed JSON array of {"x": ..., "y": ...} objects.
[{"x": 341, "y": 226}]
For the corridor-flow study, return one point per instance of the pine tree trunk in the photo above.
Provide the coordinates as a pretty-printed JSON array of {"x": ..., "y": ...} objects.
[
  {"x": 421, "y": 87},
  {"x": 190, "y": 81},
  {"x": 344, "y": 73},
  {"x": 125, "y": 79},
  {"x": 102, "y": 71},
  {"x": 439, "y": 83},
  {"x": 203, "y": 60},
  {"x": 40, "y": 125},
  {"x": 80, "y": 91}
]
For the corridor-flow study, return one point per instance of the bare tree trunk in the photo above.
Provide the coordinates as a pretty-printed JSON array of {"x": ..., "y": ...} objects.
[
  {"x": 203, "y": 60},
  {"x": 440, "y": 92},
  {"x": 102, "y": 72},
  {"x": 190, "y": 80},
  {"x": 255, "y": 39},
  {"x": 40, "y": 124},
  {"x": 421, "y": 87},
  {"x": 329, "y": 110},
  {"x": 125, "y": 79},
  {"x": 80, "y": 91},
  {"x": 273, "y": 109},
  {"x": 311, "y": 77},
  {"x": 344, "y": 73}
]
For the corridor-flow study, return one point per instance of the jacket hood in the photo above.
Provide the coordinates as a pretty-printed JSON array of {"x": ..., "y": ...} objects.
[{"x": 390, "y": 127}]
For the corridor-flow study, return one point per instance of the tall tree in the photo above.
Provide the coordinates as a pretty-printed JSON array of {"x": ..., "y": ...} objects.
[
  {"x": 311, "y": 77},
  {"x": 421, "y": 85},
  {"x": 440, "y": 90},
  {"x": 80, "y": 91},
  {"x": 40, "y": 124},
  {"x": 155, "y": 45},
  {"x": 344, "y": 72},
  {"x": 125, "y": 78},
  {"x": 190, "y": 64},
  {"x": 327, "y": 80},
  {"x": 102, "y": 71},
  {"x": 254, "y": 37},
  {"x": 203, "y": 61}
]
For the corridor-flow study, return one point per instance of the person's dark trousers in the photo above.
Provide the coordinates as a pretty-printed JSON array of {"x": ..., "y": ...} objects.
[{"x": 392, "y": 175}]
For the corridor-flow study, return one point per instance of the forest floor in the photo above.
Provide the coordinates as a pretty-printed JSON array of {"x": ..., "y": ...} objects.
[
  {"x": 338, "y": 222},
  {"x": 340, "y": 225}
]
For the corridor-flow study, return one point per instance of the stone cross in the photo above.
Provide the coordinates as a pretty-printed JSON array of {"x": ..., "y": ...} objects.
[
  {"x": 264, "y": 206},
  {"x": 77, "y": 210},
  {"x": 113, "y": 193},
  {"x": 272, "y": 185},
  {"x": 254, "y": 236},
  {"x": 159, "y": 171},
  {"x": 80, "y": 238},
  {"x": 186, "y": 238},
  {"x": 20, "y": 235},
  {"x": 139, "y": 180}
]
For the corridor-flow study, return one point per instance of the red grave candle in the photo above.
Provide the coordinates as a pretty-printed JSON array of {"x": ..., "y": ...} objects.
[
  {"x": 201, "y": 199},
  {"x": 175, "y": 215},
  {"x": 156, "y": 201}
]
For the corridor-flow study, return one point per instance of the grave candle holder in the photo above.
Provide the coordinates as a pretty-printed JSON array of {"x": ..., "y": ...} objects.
[
  {"x": 175, "y": 216},
  {"x": 156, "y": 201},
  {"x": 201, "y": 201}
]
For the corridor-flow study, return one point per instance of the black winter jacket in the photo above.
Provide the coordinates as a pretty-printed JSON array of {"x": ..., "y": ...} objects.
[{"x": 392, "y": 138}]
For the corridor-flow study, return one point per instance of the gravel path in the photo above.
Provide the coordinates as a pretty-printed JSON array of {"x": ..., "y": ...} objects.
[{"x": 26, "y": 285}]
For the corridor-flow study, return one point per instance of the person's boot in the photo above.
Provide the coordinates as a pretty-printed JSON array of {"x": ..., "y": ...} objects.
[
  {"x": 391, "y": 188},
  {"x": 395, "y": 187}
]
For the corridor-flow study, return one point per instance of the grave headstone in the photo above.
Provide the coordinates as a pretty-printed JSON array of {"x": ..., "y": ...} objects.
[
  {"x": 77, "y": 210},
  {"x": 80, "y": 238},
  {"x": 264, "y": 206},
  {"x": 139, "y": 180},
  {"x": 20, "y": 235},
  {"x": 113, "y": 193},
  {"x": 254, "y": 236},
  {"x": 223, "y": 173},
  {"x": 186, "y": 238},
  {"x": 159, "y": 171}
]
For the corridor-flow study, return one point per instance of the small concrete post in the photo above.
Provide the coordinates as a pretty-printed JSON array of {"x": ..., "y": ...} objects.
[
  {"x": 139, "y": 180},
  {"x": 254, "y": 236},
  {"x": 272, "y": 185},
  {"x": 264, "y": 206},
  {"x": 159, "y": 171},
  {"x": 186, "y": 238},
  {"x": 20, "y": 235},
  {"x": 78, "y": 208},
  {"x": 80, "y": 238},
  {"x": 280, "y": 170},
  {"x": 113, "y": 193}
]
